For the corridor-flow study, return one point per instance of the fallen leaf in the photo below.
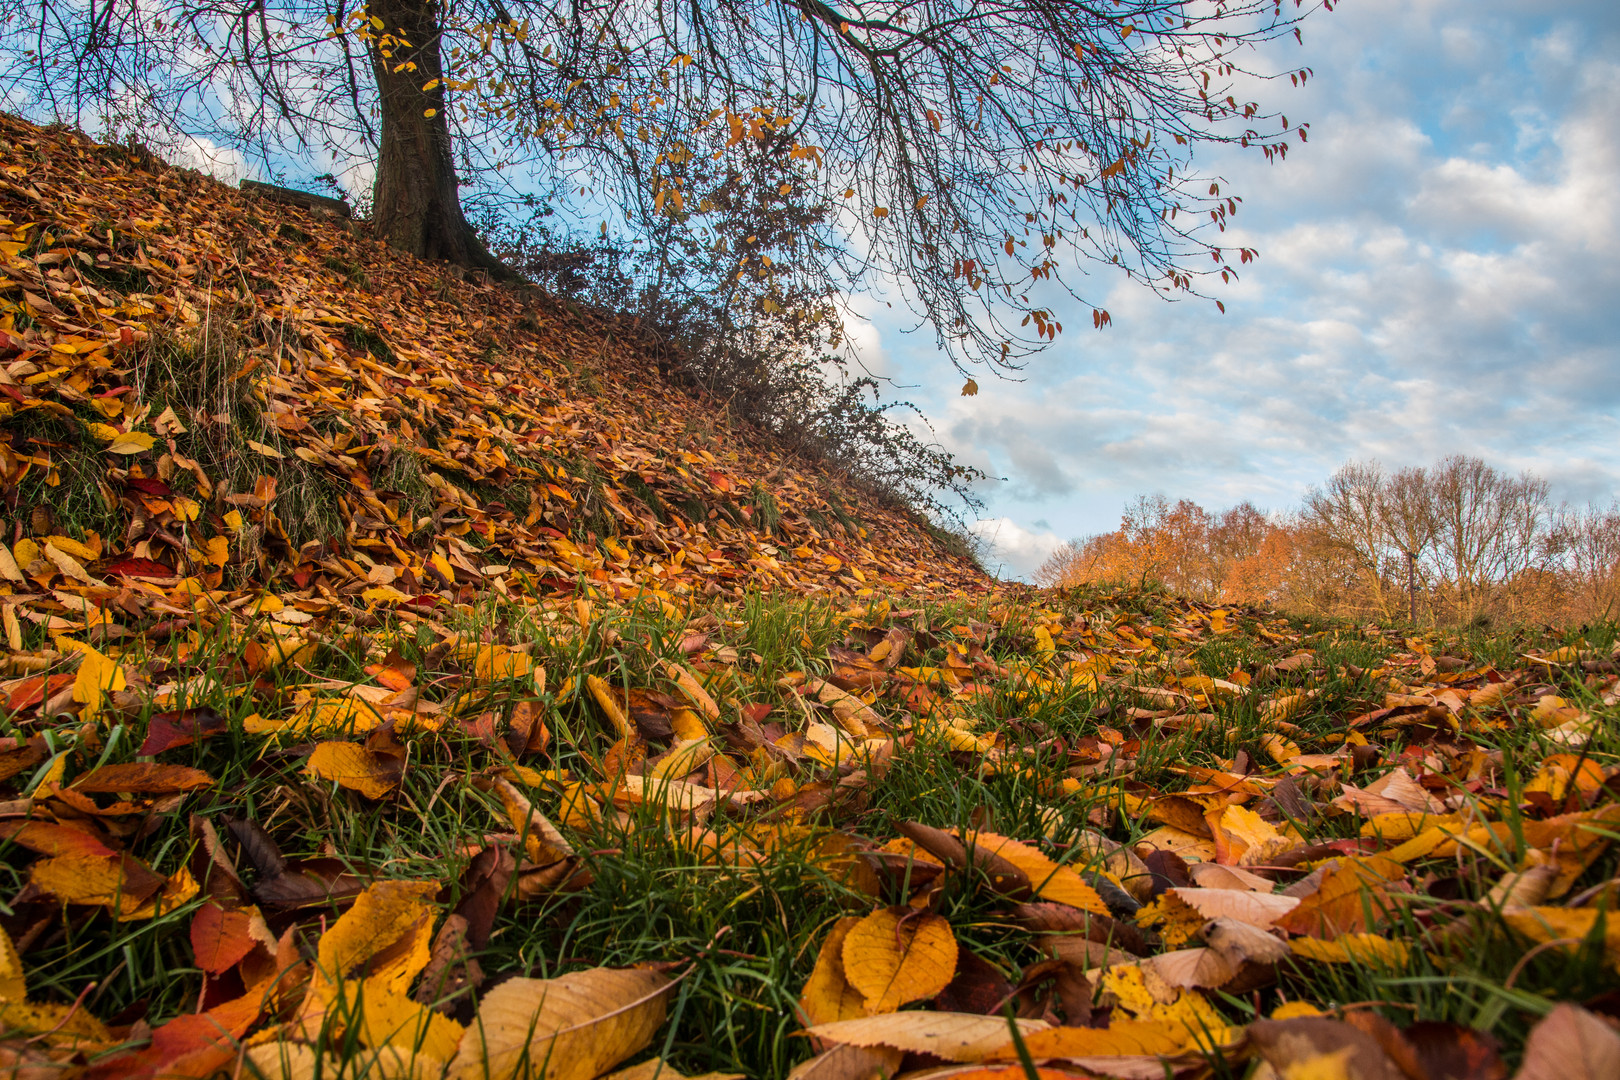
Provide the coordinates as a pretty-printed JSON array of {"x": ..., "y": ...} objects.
[
  {"x": 574, "y": 1027},
  {"x": 896, "y": 955}
]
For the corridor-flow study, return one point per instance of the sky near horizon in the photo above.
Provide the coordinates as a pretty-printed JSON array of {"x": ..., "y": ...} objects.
[{"x": 1439, "y": 273}]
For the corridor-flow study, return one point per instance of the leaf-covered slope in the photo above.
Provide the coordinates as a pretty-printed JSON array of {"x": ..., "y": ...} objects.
[{"x": 201, "y": 384}]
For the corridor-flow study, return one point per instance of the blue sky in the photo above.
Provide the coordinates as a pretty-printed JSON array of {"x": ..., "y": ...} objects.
[{"x": 1439, "y": 273}]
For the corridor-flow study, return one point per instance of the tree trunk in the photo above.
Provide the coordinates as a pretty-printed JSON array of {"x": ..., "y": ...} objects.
[{"x": 416, "y": 206}]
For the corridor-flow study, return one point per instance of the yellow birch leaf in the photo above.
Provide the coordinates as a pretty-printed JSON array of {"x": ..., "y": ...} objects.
[{"x": 895, "y": 956}]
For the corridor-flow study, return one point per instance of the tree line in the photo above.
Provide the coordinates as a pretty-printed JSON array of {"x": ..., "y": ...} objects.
[{"x": 1456, "y": 543}]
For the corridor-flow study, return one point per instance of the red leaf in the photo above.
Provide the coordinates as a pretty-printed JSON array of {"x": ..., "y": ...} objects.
[
  {"x": 148, "y": 486},
  {"x": 171, "y": 729},
  {"x": 219, "y": 938},
  {"x": 141, "y": 568},
  {"x": 32, "y": 691}
]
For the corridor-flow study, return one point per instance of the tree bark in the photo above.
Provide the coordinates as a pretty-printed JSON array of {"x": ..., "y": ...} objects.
[{"x": 416, "y": 206}]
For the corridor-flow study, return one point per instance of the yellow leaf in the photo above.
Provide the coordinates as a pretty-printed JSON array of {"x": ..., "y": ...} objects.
[
  {"x": 392, "y": 1019},
  {"x": 1050, "y": 880},
  {"x": 827, "y": 994},
  {"x": 82, "y": 879},
  {"x": 267, "y": 451},
  {"x": 131, "y": 442},
  {"x": 392, "y": 919},
  {"x": 13, "y": 987},
  {"x": 218, "y": 550},
  {"x": 574, "y": 1027},
  {"x": 604, "y": 698},
  {"x": 1244, "y": 838},
  {"x": 692, "y": 690},
  {"x": 66, "y": 563},
  {"x": 288, "y": 1061},
  {"x": 354, "y": 767},
  {"x": 1368, "y": 950},
  {"x": 73, "y": 548},
  {"x": 8, "y": 566},
  {"x": 97, "y": 677},
  {"x": 1568, "y": 927},
  {"x": 1119, "y": 1039},
  {"x": 181, "y": 888},
  {"x": 895, "y": 956},
  {"x": 970, "y": 388}
]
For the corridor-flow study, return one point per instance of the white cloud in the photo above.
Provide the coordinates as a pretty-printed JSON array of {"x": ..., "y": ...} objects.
[{"x": 1012, "y": 551}]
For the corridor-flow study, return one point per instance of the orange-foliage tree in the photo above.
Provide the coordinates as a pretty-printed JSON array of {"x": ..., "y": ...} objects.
[{"x": 1459, "y": 542}]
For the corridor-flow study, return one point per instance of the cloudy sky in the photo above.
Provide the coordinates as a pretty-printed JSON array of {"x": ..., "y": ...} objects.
[{"x": 1439, "y": 273}]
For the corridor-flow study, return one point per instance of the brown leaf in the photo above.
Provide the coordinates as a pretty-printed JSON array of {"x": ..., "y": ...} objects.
[
  {"x": 1570, "y": 1043},
  {"x": 1453, "y": 1052},
  {"x": 976, "y": 987}
]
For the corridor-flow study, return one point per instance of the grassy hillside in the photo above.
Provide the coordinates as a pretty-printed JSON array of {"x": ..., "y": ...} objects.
[{"x": 403, "y": 680}]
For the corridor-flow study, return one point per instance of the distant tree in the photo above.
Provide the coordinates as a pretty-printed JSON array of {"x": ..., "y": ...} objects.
[{"x": 968, "y": 152}]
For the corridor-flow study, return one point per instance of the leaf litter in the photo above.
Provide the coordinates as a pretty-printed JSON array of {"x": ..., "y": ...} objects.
[{"x": 367, "y": 802}]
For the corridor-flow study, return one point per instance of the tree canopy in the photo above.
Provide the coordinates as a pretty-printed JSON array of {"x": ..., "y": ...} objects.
[{"x": 973, "y": 156}]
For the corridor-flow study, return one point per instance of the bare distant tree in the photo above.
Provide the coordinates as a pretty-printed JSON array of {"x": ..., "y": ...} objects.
[
  {"x": 1410, "y": 523},
  {"x": 1348, "y": 512}
]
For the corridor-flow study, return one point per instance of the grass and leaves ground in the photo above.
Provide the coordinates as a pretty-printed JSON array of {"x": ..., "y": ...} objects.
[
  {"x": 402, "y": 679},
  {"x": 1141, "y": 825}
]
